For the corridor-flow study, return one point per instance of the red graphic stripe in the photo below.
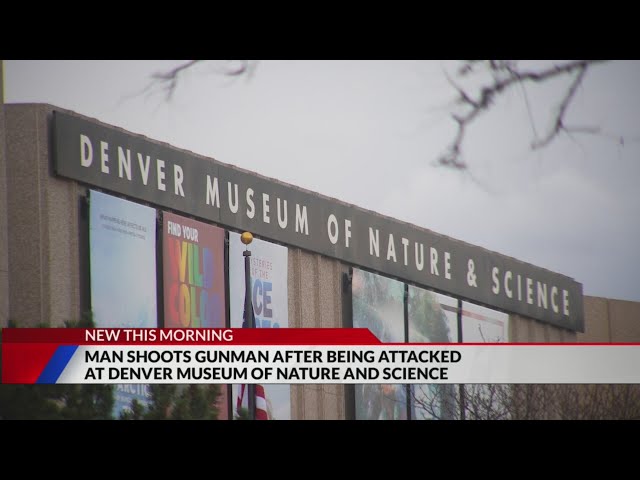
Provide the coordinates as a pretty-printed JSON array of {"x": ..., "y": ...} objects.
[
  {"x": 23, "y": 363},
  {"x": 200, "y": 336}
]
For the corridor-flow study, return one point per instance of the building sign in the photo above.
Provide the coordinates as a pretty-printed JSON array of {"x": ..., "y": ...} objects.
[{"x": 114, "y": 160}]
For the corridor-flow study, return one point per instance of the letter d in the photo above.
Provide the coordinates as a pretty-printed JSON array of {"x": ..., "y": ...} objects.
[{"x": 86, "y": 151}]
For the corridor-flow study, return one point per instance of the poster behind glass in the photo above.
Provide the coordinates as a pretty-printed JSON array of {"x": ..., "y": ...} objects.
[
  {"x": 193, "y": 273},
  {"x": 122, "y": 246},
  {"x": 193, "y": 279},
  {"x": 269, "y": 296},
  {"x": 432, "y": 319},
  {"x": 378, "y": 304},
  {"x": 484, "y": 325}
]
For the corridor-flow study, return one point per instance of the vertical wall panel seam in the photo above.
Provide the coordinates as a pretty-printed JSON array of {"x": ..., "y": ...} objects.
[
  {"x": 298, "y": 303},
  {"x": 318, "y": 321},
  {"x": 336, "y": 292},
  {"x": 609, "y": 321},
  {"x": 546, "y": 333},
  {"x": 40, "y": 197}
]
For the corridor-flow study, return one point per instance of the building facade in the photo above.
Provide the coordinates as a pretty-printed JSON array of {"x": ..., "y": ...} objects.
[{"x": 325, "y": 264}]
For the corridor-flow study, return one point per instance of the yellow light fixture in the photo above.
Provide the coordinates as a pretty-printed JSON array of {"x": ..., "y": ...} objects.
[{"x": 246, "y": 238}]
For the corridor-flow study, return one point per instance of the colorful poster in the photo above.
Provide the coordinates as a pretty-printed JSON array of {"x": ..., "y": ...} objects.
[
  {"x": 378, "y": 304},
  {"x": 193, "y": 273},
  {"x": 126, "y": 393},
  {"x": 269, "y": 296},
  {"x": 193, "y": 279},
  {"x": 122, "y": 246},
  {"x": 433, "y": 318},
  {"x": 122, "y": 238}
]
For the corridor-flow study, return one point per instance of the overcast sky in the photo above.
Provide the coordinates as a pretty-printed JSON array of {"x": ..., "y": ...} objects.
[{"x": 368, "y": 133}]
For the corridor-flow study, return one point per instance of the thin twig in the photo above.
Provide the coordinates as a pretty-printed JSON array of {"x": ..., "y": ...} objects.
[
  {"x": 168, "y": 80},
  {"x": 558, "y": 124},
  {"x": 488, "y": 94},
  {"x": 170, "y": 77}
]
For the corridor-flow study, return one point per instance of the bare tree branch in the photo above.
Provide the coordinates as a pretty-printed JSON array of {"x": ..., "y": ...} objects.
[
  {"x": 558, "y": 124},
  {"x": 168, "y": 80},
  {"x": 527, "y": 402},
  {"x": 505, "y": 74},
  {"x": 473, "y": 102}
]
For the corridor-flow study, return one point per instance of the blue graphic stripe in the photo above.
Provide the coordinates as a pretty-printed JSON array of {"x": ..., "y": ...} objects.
[{"x": 57, "y": 364}]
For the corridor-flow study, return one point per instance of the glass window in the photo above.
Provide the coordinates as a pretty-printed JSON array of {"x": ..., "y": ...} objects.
[
  {"x": 433, "y": 318},
  {"x": 378, "y": 304},
  {"x": 484, "y": 401}
]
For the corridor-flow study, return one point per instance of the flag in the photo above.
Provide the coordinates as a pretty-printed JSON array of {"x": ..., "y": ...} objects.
[
  {"x": 245, "y": 323},
  {"x": 261, "y": 404},
  {"x": 261, "y": 400}
]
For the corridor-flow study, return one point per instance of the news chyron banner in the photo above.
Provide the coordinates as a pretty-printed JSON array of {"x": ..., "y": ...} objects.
[
  {"x": 269, "y": 297},
  {"x": 122, "y": 246},
  {"x": 283, "y": 356}
]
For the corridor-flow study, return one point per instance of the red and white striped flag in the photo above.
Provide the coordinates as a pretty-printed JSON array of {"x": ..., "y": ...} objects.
[{"x": 261, "y": 401}]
